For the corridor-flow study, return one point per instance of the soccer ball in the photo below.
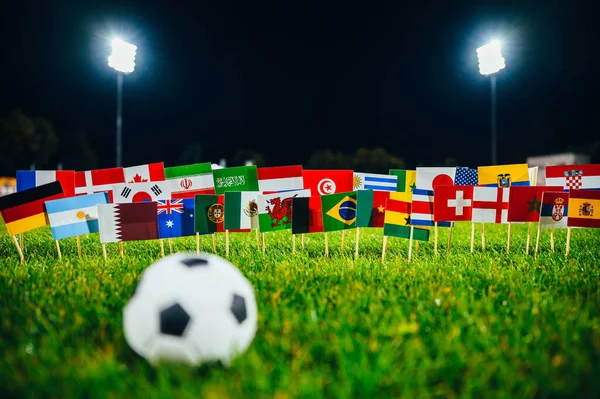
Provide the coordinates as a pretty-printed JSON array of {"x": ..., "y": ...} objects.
[{"x": 191, "y": 309}]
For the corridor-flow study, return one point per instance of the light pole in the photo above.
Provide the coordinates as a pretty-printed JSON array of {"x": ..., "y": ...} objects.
[
  {"x": 122, "y": 59},
  {"x": 490, "y": 62}
]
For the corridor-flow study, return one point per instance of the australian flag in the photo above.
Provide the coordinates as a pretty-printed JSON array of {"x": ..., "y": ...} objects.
[
  {"x": 465, "y": 177},
  {"x": 175, "y": 217}
]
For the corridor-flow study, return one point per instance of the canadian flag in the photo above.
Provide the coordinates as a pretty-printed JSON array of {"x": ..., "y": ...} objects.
[
  {"x": 95, "y": 181},
  {"x": 145, "y": 173},
  {"x": 453, "y": 203},
  {"x": 490, "y": 204},
  {"x": 141, "y": 192}
]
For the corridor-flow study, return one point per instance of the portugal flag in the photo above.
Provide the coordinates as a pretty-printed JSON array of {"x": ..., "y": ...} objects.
[{"x": 24, "y": 210}]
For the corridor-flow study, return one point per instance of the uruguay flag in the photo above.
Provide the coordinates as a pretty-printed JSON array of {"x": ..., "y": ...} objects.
[
  {"x": 175, "y": 217},
  {"x": 27, "y": 179},
  {"x": 74, "y": 216}
]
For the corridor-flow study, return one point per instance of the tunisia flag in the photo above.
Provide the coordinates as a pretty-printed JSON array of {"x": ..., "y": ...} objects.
[
  {"x": 321, "y": 181},
  {"x": 453, "y": 203},
  {"x": 524, "y": 203}
]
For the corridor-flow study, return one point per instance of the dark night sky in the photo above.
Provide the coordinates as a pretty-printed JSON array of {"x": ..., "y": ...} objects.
[{"x": 287, "y": 78}]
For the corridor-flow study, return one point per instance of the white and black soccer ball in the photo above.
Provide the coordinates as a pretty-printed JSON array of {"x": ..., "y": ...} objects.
[{"x": 192, "y": 309}]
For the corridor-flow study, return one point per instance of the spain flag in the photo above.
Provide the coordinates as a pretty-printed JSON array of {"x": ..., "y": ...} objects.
[
  {"x": 584, "y": 208},
  {"x": 24, "y": 210}
]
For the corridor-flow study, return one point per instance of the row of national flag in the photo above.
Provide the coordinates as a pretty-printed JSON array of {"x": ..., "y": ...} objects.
[{"x": 151, "y": 201}]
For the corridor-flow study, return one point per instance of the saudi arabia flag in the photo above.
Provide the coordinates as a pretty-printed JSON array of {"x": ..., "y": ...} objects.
[
  {"x": 241, "y": 210},
  {"x": 339, "y": 211},
  {"x": 239, "y": 178},
  {"x": 275, "y": 210}
]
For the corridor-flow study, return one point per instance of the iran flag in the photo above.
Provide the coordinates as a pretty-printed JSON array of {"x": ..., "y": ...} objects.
[
  {"x": 95, "y": 181},
  {"x": 490, "y": 204},
  {"x": 280, "y": 178},
  {"x": 145, "y": 173},
  {"x": 454, "y": 203},
  {"x": 141, "y": 192},
  {"x": 321, "y": 181}
]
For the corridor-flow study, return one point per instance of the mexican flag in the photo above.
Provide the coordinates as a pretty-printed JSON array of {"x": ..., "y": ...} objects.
[
  {"x": 188, "y": 180},
  {"x": 241, "y": 209},
  {"x": 239, "y": 178},
  {"x": 339, "y": 211},
  {"x": 275, "y": 210}
]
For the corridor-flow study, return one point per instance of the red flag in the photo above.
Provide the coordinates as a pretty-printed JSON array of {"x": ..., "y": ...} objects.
[
  {"x": 145, "y": 173},
  {"x": 307, "y": 215},
  {"x": 524, "y": 203},
  {"x": 453, "y": 203},
  {"x": 95, "y": 181},
  {"x": 127, "y": 222},
  {"x": 378, "y": 212},
  {"x": 322, "y": 181}
]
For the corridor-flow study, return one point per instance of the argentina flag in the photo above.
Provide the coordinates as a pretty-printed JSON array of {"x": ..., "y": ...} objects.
[
  {"x": 376, "y": 182},
  {"x": 74, "y": 216}
]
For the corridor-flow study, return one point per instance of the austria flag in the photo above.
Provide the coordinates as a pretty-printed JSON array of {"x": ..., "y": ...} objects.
[
  {"x": 145, "y": 173},
  {"x": 453, "y": 203}
]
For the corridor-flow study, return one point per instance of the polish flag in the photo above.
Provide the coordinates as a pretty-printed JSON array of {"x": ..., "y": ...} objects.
[
  {"x": 280, "y": 178},
  {"x": 95, "y": 181},
  {"x": 145, "y": 173},
  {"x": 490, "y": 204}
]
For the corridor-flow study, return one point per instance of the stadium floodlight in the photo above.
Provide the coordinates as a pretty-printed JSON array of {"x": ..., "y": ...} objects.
[
  {"x": 122, "y": 59},
  {"x": 491, "y": 62}
]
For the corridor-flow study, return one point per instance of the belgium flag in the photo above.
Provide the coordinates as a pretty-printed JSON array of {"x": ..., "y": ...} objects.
[{"x": 24, "y": 210}]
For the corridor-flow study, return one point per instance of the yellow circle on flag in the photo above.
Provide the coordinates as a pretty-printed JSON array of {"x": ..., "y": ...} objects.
[{"x": 80, "y": 214}]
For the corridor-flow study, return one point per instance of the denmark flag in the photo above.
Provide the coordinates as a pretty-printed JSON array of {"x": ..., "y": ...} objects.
[
  {"x": 453, "y": 203},
  {"x": 95, "y": 181},
  {"x": 145, "y": 173}
]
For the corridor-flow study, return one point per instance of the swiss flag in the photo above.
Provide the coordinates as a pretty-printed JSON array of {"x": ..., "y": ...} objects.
[
  {"x": 145, "y": 173},
  {"x": 524, "y": 203},
  {"x": 95, "y": 181},
  {"x": 324, "y": 181},
  {"x": 452, "y": 203}
]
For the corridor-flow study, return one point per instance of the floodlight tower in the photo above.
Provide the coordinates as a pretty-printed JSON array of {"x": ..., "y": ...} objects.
[
  {"x": 122, "y": 59},
  {"x": 490, "y": 62}
]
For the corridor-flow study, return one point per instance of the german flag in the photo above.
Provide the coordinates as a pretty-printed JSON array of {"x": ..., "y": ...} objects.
[{"x": 25, "y": 210}]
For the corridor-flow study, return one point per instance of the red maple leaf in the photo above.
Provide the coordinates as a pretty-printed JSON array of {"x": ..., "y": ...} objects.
[{"x": 138, "y": 179}]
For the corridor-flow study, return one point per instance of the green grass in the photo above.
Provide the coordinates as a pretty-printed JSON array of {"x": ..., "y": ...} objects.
[{"x": 487, "y": 324}]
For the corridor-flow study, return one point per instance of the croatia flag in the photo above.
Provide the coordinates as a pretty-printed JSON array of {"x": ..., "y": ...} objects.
[
  {"x": 27, "y": 179},
  {"x": 574, "y": 177}
]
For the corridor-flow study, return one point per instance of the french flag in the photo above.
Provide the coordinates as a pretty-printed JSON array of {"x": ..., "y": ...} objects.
[{"x": 27, "y": 179}]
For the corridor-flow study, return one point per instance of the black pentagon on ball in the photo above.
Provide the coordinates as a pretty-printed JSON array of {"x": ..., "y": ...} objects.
[
  {"x": 191, "y": 262},
  {"x": 173, "y": 320},
  {"x": 238, "y": 308}
]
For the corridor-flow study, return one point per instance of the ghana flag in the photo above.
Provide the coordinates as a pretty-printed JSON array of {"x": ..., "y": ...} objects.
[{"x": 397, "y": 219}]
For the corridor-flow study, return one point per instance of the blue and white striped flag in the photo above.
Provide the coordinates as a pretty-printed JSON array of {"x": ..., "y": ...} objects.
[
  {"x": 74, "y": 216},
  {"x": 372, "y": 181}
]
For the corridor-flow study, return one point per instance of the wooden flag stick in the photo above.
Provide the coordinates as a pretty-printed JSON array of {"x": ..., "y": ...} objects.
[
  {"x": 22, "y": 242},
  {"x": 257, "y": 239},
  {"x": 302, "y": 240},
  {"x": 293, "y": 243},
  {"x": 58, "y": 249},
  {"x": 170, "y": 245},
  {"x": 227, "y": 243},
  {"x": 343, "y": 236},
  {"x": 162, "y": 248},
  {"x": 568, "y": 241},
  {"x": 528, "y": 238},
  {"x": 508, "y": 238},
  {"x": 410, "y": 240},
  {"x": 78, "y": 246},
  {"x": 104, "y": 251},
  {"x": 537, "y": 239},
  {"x": 356, "y": 244},
  {"x": 19, "y": 248},
  {"x": 483, "y": 236},
  {"x": 472, "y": 235},
  {"x": 552, "y": 240},
  {"x": 214, "y": 242},
  {"x": 326, "y": 245},
  {"x": 121, "y": 248},
  {"x": 417, "y": 247},
  {"x": 450, "y": 238},
  {"x": 384, "y": 249},
  {"x": 263, "y": 242},
  {"x": 197, "y": 243},
  {"x": 435, "y": 237}
]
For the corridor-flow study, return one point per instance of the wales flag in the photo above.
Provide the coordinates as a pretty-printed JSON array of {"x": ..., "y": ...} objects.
[{"x": 339, "y": 211}]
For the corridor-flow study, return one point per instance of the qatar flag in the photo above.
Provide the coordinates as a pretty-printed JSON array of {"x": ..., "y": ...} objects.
[
  {"x": 321, "y": 181},
  {"x": 145, "y": 173}
]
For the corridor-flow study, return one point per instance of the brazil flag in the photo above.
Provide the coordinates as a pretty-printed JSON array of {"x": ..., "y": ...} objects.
[{"x": 339, "y": 211}]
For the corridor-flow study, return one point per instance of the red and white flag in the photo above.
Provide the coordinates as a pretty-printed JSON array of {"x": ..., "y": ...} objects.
[
  {"x": 127, "y": 222},
  {"x": 322, "y": 181},
  {"x": 429, "y": 178},
  {"x": 574, "y": 177},
  {"x": 141, "y": 192},
  {"x": 95, "y": 181},
  {"x": 453, "y": 203},
  {"x": 145, "y": 173},
  {"x": 280, "y": 178},
  {"x": 490, "y": 205}
]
